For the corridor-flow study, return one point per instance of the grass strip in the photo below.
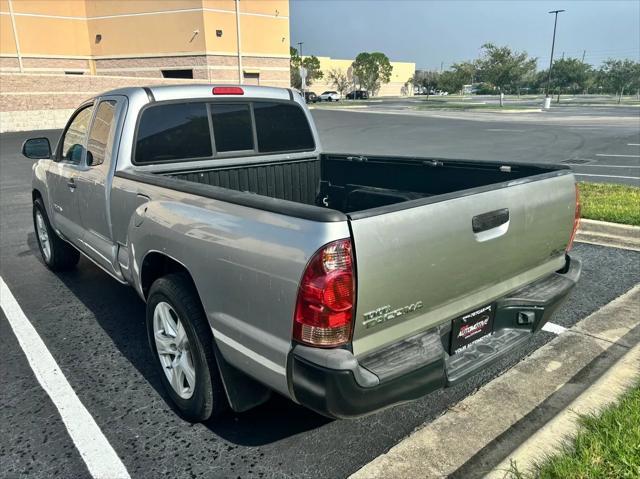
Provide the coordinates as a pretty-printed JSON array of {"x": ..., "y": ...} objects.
[
  {"x": 607, "y": 445},
  {"x": 609, "y": 202}
]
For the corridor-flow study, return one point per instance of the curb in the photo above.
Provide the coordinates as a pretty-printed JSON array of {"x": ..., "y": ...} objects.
[
  {"x": 550, "y": 438},
  {"x": 609, "y": 234},
  {"x": 482, "y": 430}
]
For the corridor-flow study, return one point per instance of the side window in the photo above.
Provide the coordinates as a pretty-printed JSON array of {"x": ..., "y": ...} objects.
[
  {"x": 73, "y": 142},
  {"x": 282, "y": 127},
  {"x": 175, "y": 131},
  {"x": 232, "y": 128},
  {"x": 101, "y": 132}
]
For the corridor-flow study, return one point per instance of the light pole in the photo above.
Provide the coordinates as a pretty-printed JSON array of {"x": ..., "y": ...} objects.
[
  {"x": 303, "y": 78},
  {"x": 547, "y": 98}
]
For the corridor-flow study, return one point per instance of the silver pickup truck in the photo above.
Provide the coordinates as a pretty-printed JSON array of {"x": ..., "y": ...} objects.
[{"x": 345, "y": 282}]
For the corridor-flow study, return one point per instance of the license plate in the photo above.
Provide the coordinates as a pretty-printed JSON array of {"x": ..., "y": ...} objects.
[{"x": 470, "y": 327}]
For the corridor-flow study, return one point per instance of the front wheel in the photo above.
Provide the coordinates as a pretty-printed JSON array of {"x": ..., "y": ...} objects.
[
  {"x": 181, "y": 340},
  {"x": 56, "y": 253}
]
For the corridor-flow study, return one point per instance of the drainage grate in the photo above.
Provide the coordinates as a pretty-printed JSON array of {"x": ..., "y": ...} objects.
[{"x": 576, "y": 161}]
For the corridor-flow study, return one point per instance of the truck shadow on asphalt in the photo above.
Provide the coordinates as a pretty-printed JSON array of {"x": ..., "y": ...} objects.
[{"x": 121, "y": 314}]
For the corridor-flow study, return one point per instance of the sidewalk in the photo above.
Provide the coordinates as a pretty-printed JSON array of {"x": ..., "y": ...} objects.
[{"x": 480, "y": 433}]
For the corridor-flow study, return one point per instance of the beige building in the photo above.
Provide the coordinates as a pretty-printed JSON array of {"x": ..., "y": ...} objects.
[
  {"x": 220, "y": 41},
  {"x": 398, "y": 86}
]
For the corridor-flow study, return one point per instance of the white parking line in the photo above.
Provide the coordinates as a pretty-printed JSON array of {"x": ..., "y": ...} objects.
[
  {"x": 633, "y": 144},
  {"x": 618, "y": 156},
  {"x": 553, "y": 328},
  {"x": 94, "y": 448},
  {"x": 609, "y": 176},
  {"x": 608, "y": 166},
  {"x": 505, "y": 129}
]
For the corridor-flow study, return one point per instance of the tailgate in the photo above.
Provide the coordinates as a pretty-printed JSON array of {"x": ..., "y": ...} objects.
[{"x": 421, "y": 266}]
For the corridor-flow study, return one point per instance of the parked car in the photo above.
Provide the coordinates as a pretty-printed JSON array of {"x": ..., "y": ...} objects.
[
  {"x": 310, "y": 97},
  {"x": 329, "y": 96},
  {"x": 358, "y": 95},
  {"x": 345, "y": 282}
]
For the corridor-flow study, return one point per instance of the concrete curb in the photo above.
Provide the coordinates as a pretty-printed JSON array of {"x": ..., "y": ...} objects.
[
  {"x": 481, "y": 431},
  {"x": 549, "y": 439},
  {"x": 609, "y": 234}
]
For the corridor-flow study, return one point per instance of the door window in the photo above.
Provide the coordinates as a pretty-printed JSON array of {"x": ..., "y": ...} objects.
[
  {"x": 73, "y": 140},
  {"x": 101, "y": 132}
]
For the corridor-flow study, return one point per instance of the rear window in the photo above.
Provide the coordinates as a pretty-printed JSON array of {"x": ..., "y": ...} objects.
[
  {"x": 174, "y": 131},
  {"x": 232, "y": 128},
  {"x": 281, "y": 127},
  {"x": 182, "y": 131}
]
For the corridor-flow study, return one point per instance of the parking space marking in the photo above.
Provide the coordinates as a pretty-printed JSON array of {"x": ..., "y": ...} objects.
[
  {"x": 553, "y": 328},
  {"x": 610, "y": 176},
  {"x": 633, "y": 144},
  {"x": 608, "y": 166},
  {"x": 618, "y": 156},
  {"x": 505, "y": 129},
  {"x": 94, "y": 448}
]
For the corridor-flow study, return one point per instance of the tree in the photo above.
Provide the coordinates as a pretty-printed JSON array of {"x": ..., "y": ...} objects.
[
  {"x": 426, "y": 80},
  {"x": 372, "y": 70},
  {"x": 620, "y": 75},
  {"x": 504, "y": 68},
  {"x": 339, "y": 80},
  {"x": 311, "y": 63},
  {"x": 569, "y": 75},
  {"x": 459, "y": 75}
]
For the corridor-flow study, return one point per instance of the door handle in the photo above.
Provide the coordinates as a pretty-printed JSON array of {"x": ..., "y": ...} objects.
[
  {"x": 71, "y": 184},
  {"x": 487, "y": 221}
]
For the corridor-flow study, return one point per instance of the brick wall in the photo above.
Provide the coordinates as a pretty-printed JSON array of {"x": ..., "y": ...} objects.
[{"x": 34, "y": 102}]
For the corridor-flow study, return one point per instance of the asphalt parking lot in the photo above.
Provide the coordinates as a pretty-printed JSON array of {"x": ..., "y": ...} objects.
[
  {"x": 94, "y": 328},
  {"x": 599, "y": 144}
]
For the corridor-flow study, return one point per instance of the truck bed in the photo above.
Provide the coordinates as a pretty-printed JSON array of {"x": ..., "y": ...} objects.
[{"x": 353, "y": 183}]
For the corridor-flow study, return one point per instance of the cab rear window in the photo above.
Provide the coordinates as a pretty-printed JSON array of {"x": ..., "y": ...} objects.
[
  {"x": 169, "y": 132},
  {"x": 175, "y": 131}
]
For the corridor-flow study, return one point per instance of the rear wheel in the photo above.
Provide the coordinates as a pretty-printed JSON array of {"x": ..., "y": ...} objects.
[
  {"x": 181, "y": 340},
  {"x": 56, "y": 253}
]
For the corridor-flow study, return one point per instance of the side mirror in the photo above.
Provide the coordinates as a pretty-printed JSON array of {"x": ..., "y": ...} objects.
[{"x": 37, "y": 148}]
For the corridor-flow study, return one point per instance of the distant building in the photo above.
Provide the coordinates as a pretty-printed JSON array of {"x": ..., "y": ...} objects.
[
  {"x": 221, "y": 41},
  {"x": 400, "y": 75}
]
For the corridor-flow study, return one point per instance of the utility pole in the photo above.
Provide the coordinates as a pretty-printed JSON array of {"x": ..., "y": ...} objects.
[
  {"x": 547, "y": 98},
  {"x": 584, "y": 52},
  {"x": 441, "y": 66}
]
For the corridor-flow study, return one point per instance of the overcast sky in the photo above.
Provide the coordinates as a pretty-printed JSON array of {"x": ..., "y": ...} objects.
[{"x": 429, "y": 32}]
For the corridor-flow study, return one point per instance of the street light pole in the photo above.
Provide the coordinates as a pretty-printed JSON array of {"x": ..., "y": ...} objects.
[
  {"x": 304, "y": 80},
  {"x": 547, "y": 98}
]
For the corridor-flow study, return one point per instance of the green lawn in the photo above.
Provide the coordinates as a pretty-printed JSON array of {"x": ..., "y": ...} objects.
[
  {"x": 613, "y": 203},
  {"x": 606, "y": 446}
]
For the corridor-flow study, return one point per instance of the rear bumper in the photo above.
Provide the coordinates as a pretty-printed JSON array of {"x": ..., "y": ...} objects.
[{"x": 334, "y": 383}]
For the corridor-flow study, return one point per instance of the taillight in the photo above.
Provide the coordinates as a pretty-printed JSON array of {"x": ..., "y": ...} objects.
[
  {"x": 227, "y": 90},
  {"x": 576, "y": 221},
  {"x": 326, "y": 297}
]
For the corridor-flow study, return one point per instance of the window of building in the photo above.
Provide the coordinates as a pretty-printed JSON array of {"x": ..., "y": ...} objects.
[
  {"x": 232, "y": 128},
  {"x": 101, "y": 130},
  {"x": 73, "y": 73},
  {"x": 281, "y": 127},
  {"x": 177, "y": 73},
  {"x": 174, "y": 131},
  {"x": 73, "y": 140},
  {"x": 251, "y": 78}
]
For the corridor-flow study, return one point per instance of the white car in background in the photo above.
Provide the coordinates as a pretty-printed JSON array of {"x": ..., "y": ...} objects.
[{"x": 329, "y": 96}]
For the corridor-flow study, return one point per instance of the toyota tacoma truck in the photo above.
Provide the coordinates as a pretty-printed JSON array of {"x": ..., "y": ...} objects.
[{"x": 346, "y": 282}]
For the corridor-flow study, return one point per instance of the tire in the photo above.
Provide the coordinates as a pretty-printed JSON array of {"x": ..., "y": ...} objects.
[
  {"x": 182, "y": 364},
  {"x": 56, "y": 253}
]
